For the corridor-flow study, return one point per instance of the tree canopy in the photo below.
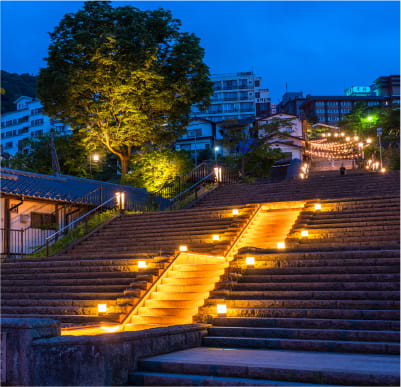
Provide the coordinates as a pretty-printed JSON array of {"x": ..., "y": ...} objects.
[{"x": 123, "y": 77}]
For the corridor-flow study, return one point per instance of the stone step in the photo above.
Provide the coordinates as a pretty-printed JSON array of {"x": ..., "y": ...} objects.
[
  {"x": 184, "y": 288},
  {"x": 77, "y": 288},
  {"x": 305, "y": 334},
  {"x": 46, "y": 302},
  {"x": 65, "y": 295},
  {"x": 320, "y": 277},
  {"x": 71, "y": 319},
  {"x": 314, "y": 304},
  {"x": 307, "y": 323},
  {"x": 155, "y": 303},
  {"x": 388, "y": 348},
  {"x": 275, "y": 367},
  {"x": 307, "y": 295},
  {"x": 350, "y": 314},
  {"x": 165, "y": 320},
  {"x": 53, "y": 310},
  {"x": 172, "y": 379},
  {"x": 125, "y": 281},
  {"x": 183, "y": 296},
  {"x": 191, "y": 280}
]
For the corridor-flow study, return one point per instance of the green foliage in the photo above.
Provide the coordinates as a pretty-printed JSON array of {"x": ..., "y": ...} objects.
[
  {"x": 73, "y": 157},
  {"x": 75, "y": 233},
  {"x": 14, "y": 86},
  {"x": 152, "y": 169},
  {"x": 123, "y": 77}
]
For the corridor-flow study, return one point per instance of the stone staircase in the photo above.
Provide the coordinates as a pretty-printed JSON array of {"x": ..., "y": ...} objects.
[
  {"x": 103, "y": 269},
  {"x": 320, "y": 185}
]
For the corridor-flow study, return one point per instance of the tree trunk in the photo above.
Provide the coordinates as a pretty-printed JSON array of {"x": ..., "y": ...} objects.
[{"x": 124, "y": 167}]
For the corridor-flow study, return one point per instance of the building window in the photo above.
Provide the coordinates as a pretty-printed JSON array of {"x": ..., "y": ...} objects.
[
  {"x": 38, "y": 122},
  {"x": 23, "y": 130},
  {"x": 37, "y": 111},
  {"x": 243, "y": 84},
  {"x": 319, "y": 103},
  {"x": 195, "y": 133},
  {"x": 43, "y": 221},
  {"x": 257, "y": 83},
  {"x": 8, "y": 145}
]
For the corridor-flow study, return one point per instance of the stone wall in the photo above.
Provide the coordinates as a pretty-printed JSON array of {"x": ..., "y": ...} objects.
[{"x": 34, "y": 359}]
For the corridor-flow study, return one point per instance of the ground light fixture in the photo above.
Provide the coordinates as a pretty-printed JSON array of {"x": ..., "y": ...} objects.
[
  {"x": 235, "y": 212},
  {"x": 141, "y": 264},
  {"x": 369, "y": 140},
  {"x": 101, "y": 308},
  {"x": 302, "y": 175},
  {"x": 183, "y": 248},
  {"x": 383, "y": 170},
  {"x": 318, "y": 206},
  {"x": 356, "y": 138},
  {"x": 304, "y": 233},
  {"x": 250, "y": 261},
  {"x": 221, "y": 308},
  {"x": 216, "y": 237},
  {"x": 281, "y": 245},
  {"x": 347, "y": 138}
]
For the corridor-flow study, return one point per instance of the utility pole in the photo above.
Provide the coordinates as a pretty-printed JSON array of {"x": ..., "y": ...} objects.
[{"x": 55, "y": 164}]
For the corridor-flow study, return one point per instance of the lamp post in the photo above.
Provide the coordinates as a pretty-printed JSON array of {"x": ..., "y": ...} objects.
[
  {"x": 95, "y": 158},
  {"x": 216, "y": 148},
  {"x": 379, "y": 134}
]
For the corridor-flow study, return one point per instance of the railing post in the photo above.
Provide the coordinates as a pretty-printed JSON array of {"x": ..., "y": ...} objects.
[
  {"x": 47, "y": 247},
  {"x": 22, "y": 241}
]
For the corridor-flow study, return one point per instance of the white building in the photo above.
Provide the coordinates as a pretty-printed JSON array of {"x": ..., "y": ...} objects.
[
  {"x": 236, "y": 96},
  {"x": 290, "y": 139},
  {"x": 26, "y": 122}
]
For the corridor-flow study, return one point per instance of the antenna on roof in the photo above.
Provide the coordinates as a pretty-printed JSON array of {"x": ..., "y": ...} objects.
[{"x": 55, "y": 163}]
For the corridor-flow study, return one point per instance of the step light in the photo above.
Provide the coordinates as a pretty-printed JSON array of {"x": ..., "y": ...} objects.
[
  {"x": 141, "y": 264},
  {"x": 221, "y": 308},
  {"x": 318, "y": 206},
  {"x": 216, "y": 237},
  {"x": 183, "y": 248},
  {"x": 101, "y": 308},
  {"x": 281, "y": 245},
  {"x": 235, "y": 212},
  {"x": 250, "y": 260},
  {"x": 304, "y": 233}
]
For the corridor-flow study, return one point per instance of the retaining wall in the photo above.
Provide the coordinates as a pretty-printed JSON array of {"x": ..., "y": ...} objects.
[{"x": 36, "y": 354}]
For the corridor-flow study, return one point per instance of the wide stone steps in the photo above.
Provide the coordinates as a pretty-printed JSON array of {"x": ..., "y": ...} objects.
[{"x": 69, "y": 319}]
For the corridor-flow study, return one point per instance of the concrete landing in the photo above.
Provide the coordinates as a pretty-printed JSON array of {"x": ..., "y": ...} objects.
[{"x": 294, "y": 366}]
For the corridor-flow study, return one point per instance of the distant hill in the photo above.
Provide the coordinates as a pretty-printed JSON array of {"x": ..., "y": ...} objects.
[{"x": 15, "y": 85}]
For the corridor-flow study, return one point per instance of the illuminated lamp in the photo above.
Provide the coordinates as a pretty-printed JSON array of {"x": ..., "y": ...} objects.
[
  {"x": 383, "y": 170},
  {"x": 281, "y": 245},
  {"x": 221, "y": 308},
  {"x": 101, "y": 308},
  {"x": 347, "y": 139},
  {"x": 304, "y": 233},
  {"x": 360, "y": 144},
  {"x": 183, "y": 248},
  {"x": 235, "y": 212},
  {"x": 250, "y": 260},
  {"x": 328, "y": 134},
  {"x": 335, "y": 134},
  {"x": 342, "y": 134},
  {"x": 302, "y": 175},
  {"x": 216, "y": 237},
  {"x": 318, "y": 206},
  {"x": 141, "y": 264},
  {"x": 95, "y": 157},
  {"x": 323, "y": 134},
  {"x": 369, "y": 140},
  {"x": 356, "y": 138}
]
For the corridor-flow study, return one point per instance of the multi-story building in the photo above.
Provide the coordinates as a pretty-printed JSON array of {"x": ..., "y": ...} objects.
[
  {"x": 388, "y": 87},
  {"x": 359, "y": 91},
  {"x": 291, "y": 103},
  {"x": 26, "y": 122},
  {"x": 236, "y": 96},
  {"x": 332, "y": 109}
]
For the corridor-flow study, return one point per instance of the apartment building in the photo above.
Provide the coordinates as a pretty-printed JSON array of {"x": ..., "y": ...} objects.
[
  {"x": 27, "y": 121},
  {"x": 236, "y": 96}
]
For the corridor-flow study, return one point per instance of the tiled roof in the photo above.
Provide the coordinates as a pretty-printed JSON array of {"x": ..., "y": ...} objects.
[{"x": 62, "y": 187}]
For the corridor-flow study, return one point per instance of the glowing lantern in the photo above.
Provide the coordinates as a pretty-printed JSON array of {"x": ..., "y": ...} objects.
[
  {"x": 183, "y": 248},
  {"x": 304, "y": 233},
  {"x": 216, "y": 237},
  {"x": 318, "y": 206},
  {"x": 235, "y": 212},
  {"x": 281, "y": 245}
]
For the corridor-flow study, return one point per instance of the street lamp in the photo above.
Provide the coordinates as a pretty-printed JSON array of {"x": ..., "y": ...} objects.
[
  {"x": 95, "y": 158},
  {"x": 379, "y": 134}
]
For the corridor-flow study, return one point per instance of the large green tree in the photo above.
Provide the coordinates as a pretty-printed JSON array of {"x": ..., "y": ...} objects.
[{"x": 123, "y": 77}]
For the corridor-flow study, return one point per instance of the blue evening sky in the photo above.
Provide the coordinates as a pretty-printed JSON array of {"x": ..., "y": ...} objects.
[{"x": 318, "y": 47}]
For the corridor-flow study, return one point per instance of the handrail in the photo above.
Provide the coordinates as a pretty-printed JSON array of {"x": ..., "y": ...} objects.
[
  {"x": 191, "y": 187},
  {"x": 73, "y": 222}
]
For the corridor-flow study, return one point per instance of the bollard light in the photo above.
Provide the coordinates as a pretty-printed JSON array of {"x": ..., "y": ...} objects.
[
  {"x": 183, "y": 248},
  {"x": 235, "y": 212},
  {"x": 318, "y": 206},
  {"x": 347, "y": 138},
  {"x": 101, "y": 308},
  {"x": 221, "y": 308},
  {"x": 281, "y": 245},
  {"x": 141, "y": 264},
  {"x": 216, "y": 237},
  {"x": 304, "y": 233},
  {"x": 250, "y": 260}
]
